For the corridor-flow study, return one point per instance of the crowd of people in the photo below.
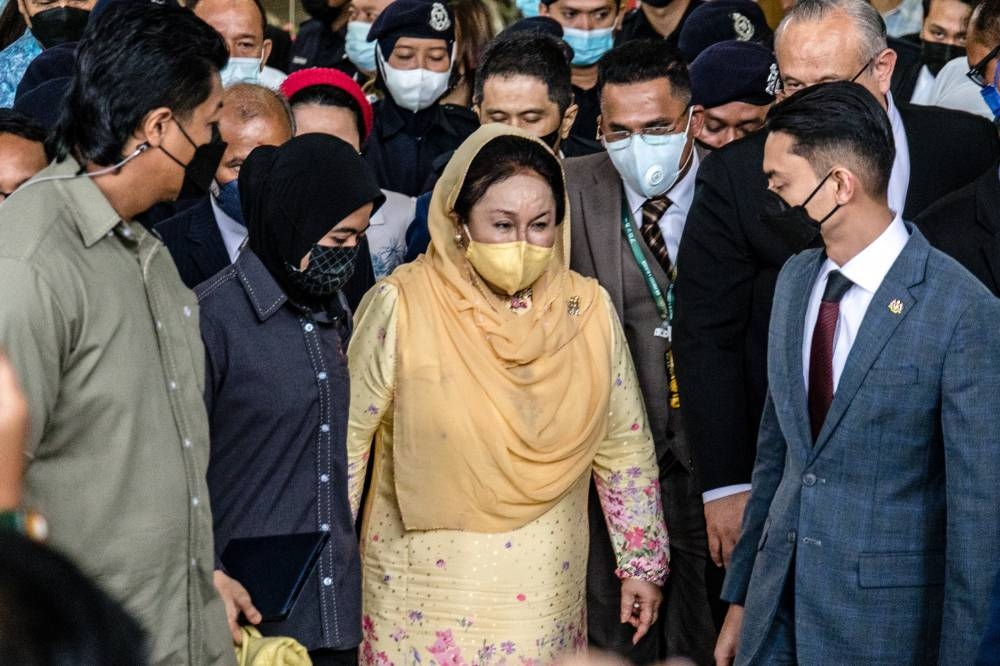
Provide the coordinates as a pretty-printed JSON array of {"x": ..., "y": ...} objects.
[{"x": 652, "y": 327}]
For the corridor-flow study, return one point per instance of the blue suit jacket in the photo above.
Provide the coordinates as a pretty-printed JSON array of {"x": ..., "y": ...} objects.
[
  {"x": 195, "y": 243},
  {"x": 890, "y": 522}
]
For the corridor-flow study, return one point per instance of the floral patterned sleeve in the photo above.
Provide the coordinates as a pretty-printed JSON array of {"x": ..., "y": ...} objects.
[
  {"x": 371, "y": 358},
  {"x": 627, "y": 476}
]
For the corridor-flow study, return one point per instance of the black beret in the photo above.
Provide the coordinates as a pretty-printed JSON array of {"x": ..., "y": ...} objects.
[
  {"x": 425, "y": 19},
  {"x": 52, "y": 63},
  {"x": 720, "y": 21},
  {"x": 733, "y": 71},
  {"x": 536, "y": 24},
  {"x": 44, "y": 102}
]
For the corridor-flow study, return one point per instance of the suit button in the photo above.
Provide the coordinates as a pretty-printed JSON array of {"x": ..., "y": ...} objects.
[
  {"x": 791, "y": 536},
  {"x": 809, "y": 479}
]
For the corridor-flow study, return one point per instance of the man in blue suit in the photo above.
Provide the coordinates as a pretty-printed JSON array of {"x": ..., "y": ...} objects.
[{"x": 872, "y": 533}]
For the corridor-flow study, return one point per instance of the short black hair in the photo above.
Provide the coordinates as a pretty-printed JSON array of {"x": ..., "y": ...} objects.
[
  {"x": 536, "y": 55},
  {"x": 505, "y": 156},
  {"x": 51, "y": 614},
  {"x": 134, "y": 58},
  {"x": 645, "y": 60},
  {"x": 191, "y": 4},
  {"x": 326, "y": 95},
  {"x": 839, "y": 122},
  {"x": 18, "y": 124},
  {"x": 927, "y": 5}
]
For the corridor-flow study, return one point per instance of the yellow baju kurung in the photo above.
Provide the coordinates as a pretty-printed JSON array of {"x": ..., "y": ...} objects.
[{"x": 449, "y": 597}]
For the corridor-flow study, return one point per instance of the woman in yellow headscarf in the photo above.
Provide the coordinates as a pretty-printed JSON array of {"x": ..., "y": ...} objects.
[{"x": 495, "y": 381}]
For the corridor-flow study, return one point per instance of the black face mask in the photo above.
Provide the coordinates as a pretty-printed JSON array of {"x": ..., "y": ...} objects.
[
  {"x": 199, "y": 172},
  {"x": 792, "y": 223},
  {"x": 551, "y": 139},
  {"x": 935, "y": 55},
  {"x": 58, "y": 26},
  {"x": 328, "y": 271},
  {"x": 321, "y": 11}
]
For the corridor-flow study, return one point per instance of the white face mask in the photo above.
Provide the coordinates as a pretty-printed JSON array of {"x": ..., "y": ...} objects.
[
  {"x": 649, "y": 165},
  {"x": 414, "y": 89},
  {"x": 242, "y": 70}
]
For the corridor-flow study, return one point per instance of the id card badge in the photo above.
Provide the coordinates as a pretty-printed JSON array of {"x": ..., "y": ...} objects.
[{"x": 663, "y": 331}]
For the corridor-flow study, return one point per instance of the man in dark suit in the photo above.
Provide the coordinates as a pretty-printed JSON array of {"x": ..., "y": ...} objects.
[
  {"x": 645, "y": 179},
  {"x": 206, "y": 237},
  {"x": 872, "y": 534},
  {"x": 729, "y": 256},
  {"x": 919, "y": 57},
  {"x": 966, "y": 225}
]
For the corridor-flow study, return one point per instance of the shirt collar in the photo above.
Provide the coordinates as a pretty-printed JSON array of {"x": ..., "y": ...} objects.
[
  {"x": 233, "y": 233},
  {"x": 393, "y": 122},
  {"x": 92, "y": 212},
  {"x": 869, "y": 267},
  {"x": 262, "y": 289},
  {"x": 681, "y": 194}
]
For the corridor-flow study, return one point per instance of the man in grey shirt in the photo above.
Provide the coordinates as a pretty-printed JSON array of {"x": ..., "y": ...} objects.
[{"x": 104, "y": 335}]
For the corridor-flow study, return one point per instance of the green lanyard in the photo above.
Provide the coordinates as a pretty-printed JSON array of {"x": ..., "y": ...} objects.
[{"x": 664, "y": 306}]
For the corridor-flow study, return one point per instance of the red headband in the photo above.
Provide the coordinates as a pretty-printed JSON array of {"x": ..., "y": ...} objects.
[{"x": 324, "y": 76}]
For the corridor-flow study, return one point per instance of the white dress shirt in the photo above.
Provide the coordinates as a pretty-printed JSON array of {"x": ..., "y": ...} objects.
[
  {"x": 922, "y": 89},
  {"x": 899, "y": 179},
  {"x": 673, "y": 220},
  {"x": 866, "y": 270},
  {"x": 952, "y": 89},
  {"x": 233, "y": 233}
]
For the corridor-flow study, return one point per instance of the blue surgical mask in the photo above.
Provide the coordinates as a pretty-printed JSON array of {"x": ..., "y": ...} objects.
[
  {"x": 360, "y": 51},
  {"x": 992, "y": 97},
  {"x": 650, "y": 165},
  {"x": 241, "y": 70},
  {"x": 228, "y": 198},
  {"x": 588, "y": 45},
  {"x": 529, "y": 8}
]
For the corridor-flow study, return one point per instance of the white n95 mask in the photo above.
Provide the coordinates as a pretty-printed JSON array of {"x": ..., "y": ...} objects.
[{"x": 649, "y": 164}]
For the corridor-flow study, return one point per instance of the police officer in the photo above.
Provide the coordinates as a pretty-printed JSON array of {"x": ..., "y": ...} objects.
[{"x": 414, "y": 56}]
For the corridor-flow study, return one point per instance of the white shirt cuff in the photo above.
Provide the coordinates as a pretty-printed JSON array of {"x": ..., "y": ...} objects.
[{"x": 725, "y": 491}]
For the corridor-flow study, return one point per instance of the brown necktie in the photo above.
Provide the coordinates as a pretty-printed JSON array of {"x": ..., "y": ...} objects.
[
  {"x": 652, "y": 210},
  {"x": 821, "y": 352}
]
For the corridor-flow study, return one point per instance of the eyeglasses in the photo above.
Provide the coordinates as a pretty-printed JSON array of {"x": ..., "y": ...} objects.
[
  {"x": 651, "y": 136},
  {"x": 792, "y": 88},
  {"x": 977, "y": 73}
]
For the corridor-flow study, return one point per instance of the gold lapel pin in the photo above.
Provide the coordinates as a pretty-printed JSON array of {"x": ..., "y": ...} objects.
[
  {"x": 896, "y": 306},
  {"x": 573, "y": 306}
]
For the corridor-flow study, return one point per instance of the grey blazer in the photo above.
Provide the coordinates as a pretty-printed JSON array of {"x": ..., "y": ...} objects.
[
  {"x": 891, "y": 522},
  {"x": 596, "y": 250}
]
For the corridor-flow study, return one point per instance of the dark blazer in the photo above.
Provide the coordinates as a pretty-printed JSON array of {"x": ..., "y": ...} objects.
[
  {"x": 908, "y": 66},
  {"x": 195, "y": 243},
  {"x": 887, "y": 522},
  {"x": 966, "y": 225},
  {"x": 729, "y": 261}
]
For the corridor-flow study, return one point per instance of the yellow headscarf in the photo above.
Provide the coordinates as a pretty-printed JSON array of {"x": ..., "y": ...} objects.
[{"x": 497, "y": 415}]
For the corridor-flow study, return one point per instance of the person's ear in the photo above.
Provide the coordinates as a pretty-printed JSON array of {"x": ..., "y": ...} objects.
[
  {"x": 23, "y": 8},
  {"x": 476, "y": 109},
  {"x": 697, "y": 121},
  {"x": 153, "y": 127},
  {"x": 568, "y": 119},
  {"x": 620, "y": 17},
  {"x": 265, "y": 53},
  {"x": 885, "y": 64},
  {"x": 846, "y": 184}
]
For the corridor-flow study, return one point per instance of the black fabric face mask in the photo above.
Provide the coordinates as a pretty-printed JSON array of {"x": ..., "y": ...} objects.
[
  {"x": 328, "y": 271},
  {"x": 321, "y": 11},
  {"x": 59, "y": 25},
  {"x": 199, "y": 172},
  {"x": 793, "y": 224},
  {"x": 935, "y": 55},
  {"x": 551, "y": 139}
]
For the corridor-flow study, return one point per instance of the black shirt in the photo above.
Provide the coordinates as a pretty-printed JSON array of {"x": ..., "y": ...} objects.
[
  {"x": 403, "y": 146},
  {"x": 277, "y": 392},
  {"x": 585, "y": 125},
  {"x": 318, "y": 46},
  {"x": 635, "y": 25}
]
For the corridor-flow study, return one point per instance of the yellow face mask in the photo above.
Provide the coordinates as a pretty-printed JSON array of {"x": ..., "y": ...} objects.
[{"x": 509, "y": 266}]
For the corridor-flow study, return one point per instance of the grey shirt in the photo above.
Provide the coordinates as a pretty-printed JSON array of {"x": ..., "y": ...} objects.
[{"x": 105, "y": 339}]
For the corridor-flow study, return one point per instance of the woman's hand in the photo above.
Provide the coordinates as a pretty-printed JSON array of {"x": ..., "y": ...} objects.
[
  {"x": 13, "y": 430},
  {"x": 640, "y": 605},
  {"x": 729, "y": 637},
  {"x": 237, "y": 600}
]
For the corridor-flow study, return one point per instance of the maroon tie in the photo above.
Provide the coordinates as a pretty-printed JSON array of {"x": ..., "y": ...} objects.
[
  {"x": 652, "y": 210},
  {"x": 821, "y": 353}
]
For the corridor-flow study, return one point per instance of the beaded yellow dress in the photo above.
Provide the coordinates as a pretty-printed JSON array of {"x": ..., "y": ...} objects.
[{"x": 457, "y": 598}]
